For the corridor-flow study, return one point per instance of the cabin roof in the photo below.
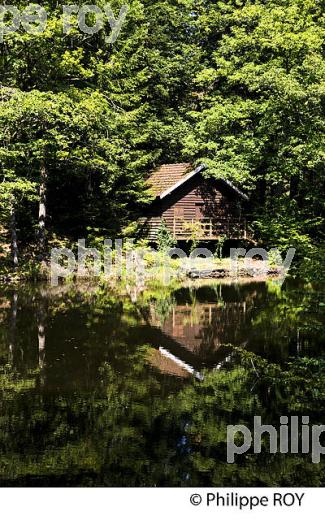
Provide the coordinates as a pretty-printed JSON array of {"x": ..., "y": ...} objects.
[{"x": 165, "y": 179}]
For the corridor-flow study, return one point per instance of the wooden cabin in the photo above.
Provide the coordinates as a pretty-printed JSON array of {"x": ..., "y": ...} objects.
[{"x": 191, "y": 204}]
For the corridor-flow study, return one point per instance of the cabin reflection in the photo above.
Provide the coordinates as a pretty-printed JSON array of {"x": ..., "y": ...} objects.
[{"x": 203, "y": 327}]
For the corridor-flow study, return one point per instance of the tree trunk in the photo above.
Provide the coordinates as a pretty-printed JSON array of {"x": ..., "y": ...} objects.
[
  {"x": 13, "y": 230},
  {"x": 42, "y": 208},
  {"x": 261, "y": 191},
  {"x": 294, "y": 187},
  {"x": 13, "y": 326}
]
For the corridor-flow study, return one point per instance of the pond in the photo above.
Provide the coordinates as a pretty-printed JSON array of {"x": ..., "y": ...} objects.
[{"x": 101, "y": 389}]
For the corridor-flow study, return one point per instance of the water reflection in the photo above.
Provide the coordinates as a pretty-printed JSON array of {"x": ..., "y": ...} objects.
[
  {"x": 203, "y": 320},
  {"x": 199, "y": 323},
  {"x": 97, "y": 389}
]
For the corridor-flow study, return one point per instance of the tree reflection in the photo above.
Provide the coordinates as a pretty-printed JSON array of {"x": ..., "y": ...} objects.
[{"x": 106, "y": 410}]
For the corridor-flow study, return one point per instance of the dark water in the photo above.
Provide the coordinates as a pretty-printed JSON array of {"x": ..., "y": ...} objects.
[{"x": 101, "y": 390}]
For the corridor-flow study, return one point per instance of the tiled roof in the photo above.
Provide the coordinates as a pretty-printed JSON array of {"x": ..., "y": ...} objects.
[{"x": 166, "y": 176}]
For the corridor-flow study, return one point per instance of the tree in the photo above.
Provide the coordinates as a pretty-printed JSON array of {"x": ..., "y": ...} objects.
[{"x": 259, "y": 117}]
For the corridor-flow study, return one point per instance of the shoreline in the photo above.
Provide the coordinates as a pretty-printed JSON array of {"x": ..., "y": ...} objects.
[{"x": 258, "y": 270}]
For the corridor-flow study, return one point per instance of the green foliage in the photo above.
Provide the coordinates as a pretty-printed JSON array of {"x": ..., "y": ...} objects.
[
  {"x": 258, "y": 119},
  {"x": 165, "y": 239},
  {"x": 238, "y": 85},
  {"x": 195, "y": 233}
]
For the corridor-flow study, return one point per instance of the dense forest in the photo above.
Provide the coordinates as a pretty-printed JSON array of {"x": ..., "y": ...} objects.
[
  {"x": 237, "y": 84},
  {"x": 87, "y": 395}
]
